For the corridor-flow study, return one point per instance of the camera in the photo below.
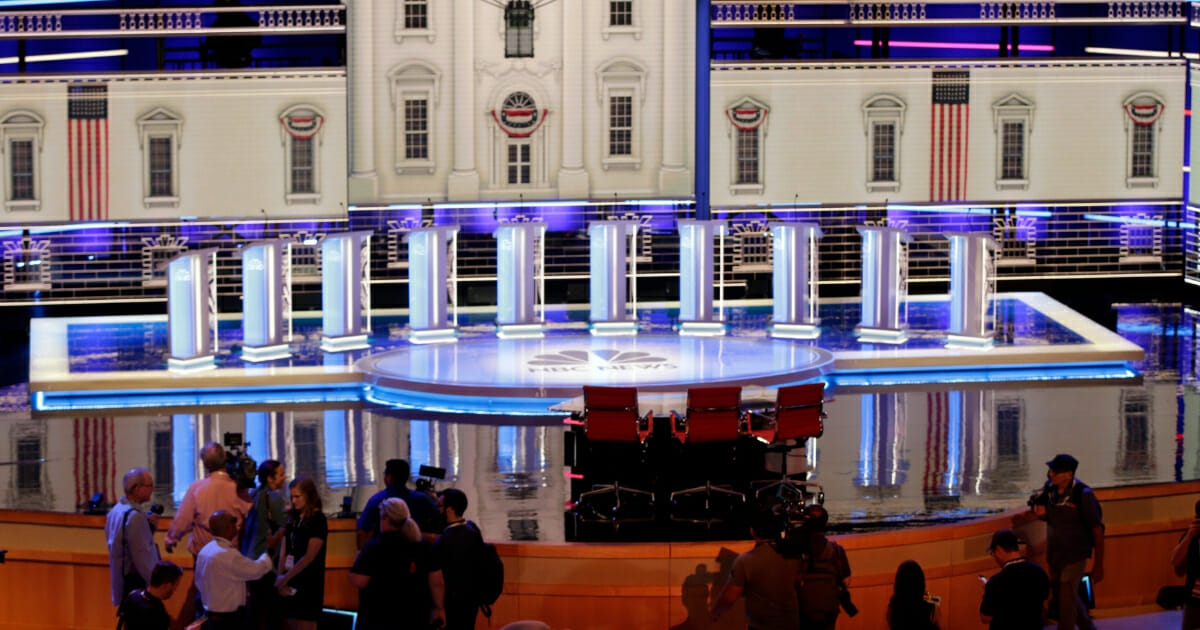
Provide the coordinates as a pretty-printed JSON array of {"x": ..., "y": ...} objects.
[
  {"x": 1040, "y": 497},
  {"x": 156, "y": 508},
  {"x": 427, "y": 477},
  {"x": 241, "y": 467}
]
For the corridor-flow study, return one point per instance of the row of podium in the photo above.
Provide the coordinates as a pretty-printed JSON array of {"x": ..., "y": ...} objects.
[{"x": 520, "y": 308}]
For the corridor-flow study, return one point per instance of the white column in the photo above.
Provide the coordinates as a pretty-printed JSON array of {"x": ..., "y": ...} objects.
[
  {"x": 572, "y": 178},
  {"x": 673, "y": 176},
  {"x": 361, "y": 79},
  {"x": 463, "y": 184}
]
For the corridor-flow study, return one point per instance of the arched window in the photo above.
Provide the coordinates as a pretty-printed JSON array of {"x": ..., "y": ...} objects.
[{"x": 1143, "y": 123}]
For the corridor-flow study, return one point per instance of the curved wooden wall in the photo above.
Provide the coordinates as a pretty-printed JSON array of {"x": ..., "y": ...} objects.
[{"x": 56, "y": 575}]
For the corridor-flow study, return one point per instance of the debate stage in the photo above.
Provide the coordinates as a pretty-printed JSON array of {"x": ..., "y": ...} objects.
[{"x": 82, "y": 363}]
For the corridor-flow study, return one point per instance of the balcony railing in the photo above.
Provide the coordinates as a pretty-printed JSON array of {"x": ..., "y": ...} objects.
[{"x": 172, "y": 21}]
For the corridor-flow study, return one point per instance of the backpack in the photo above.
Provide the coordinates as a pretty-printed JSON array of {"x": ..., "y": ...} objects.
[
  {"x": 489, "y": 577},
  {"x": 820, "y": 582}
]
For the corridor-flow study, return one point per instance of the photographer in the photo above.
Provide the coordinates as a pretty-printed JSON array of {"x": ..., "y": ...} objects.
[
  {"x": 423, "y": 507},
  {"x": 1185, "y": 559},
  {"x": 764, "y": 576},
  {"x": 1074, "y": 530},
  {"x": 824, "y": 577},
  {"x": 215, "y": 493},
  {"x": 129, "y": 530},
  {"x": 261, "y": 533}
]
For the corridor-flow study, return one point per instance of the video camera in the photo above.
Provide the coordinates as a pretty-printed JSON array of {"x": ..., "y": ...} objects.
[
  {"x": 427, "y": 477},
  {"x": 241, "y": 467},
  {"x": 1041, "y": 496}
]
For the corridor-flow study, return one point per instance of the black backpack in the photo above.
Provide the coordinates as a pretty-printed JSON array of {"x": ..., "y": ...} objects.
[{"x": 489, "y": 577}]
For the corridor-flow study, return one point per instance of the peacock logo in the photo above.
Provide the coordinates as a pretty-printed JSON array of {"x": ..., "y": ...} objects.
[{"x": 602, "y": 360}]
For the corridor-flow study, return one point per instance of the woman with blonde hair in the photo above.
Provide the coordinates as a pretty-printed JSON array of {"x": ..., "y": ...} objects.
[{"x": 398, "y": 585}]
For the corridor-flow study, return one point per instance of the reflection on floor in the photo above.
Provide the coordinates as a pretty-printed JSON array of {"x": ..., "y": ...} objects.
[{"x": 890, "y": 457}]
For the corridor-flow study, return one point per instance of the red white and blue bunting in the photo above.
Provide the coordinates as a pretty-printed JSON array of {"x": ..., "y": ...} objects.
[
  {"x": 519, "y": 122},
  {"x": 1144, "y": 114},
  {"x": 302, "y": 126},
  {"x": 747, "y": 117}
]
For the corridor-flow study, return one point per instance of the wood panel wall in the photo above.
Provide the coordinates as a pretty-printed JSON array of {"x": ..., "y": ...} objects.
[{"x": 56, "y": 575}]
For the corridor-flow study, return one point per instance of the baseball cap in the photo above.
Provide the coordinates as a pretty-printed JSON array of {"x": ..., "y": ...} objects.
[
  {"x": 1063, "y": 463},
  {"x": 1005, "y": 539}
]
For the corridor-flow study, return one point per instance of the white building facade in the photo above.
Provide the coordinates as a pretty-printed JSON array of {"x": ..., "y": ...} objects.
[{"x": 450, "y": 102}]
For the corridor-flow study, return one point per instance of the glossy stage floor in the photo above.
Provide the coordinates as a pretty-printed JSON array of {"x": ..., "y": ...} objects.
[
  {"x": 97, "y": 363},
  {"x": 917, "y": 432}
]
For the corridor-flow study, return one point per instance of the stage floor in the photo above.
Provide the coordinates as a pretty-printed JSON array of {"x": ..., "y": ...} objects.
[{"x": 82, "y": 363}]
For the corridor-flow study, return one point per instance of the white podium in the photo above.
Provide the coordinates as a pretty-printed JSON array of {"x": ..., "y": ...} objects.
[
  {"x": 794, "y": 280},
  {"x": 972, "y": 286},
  {"x": 345, "y": 290},
  {"x": 192, "y": 309},
  {"x": 432, "y": 264},
  {"x": 518, "y": 296},
  {"x": 610, "y": 243},
  {"x": 884, "y": 290},
  {"x": 696, "y": 254},
  {"x": 266, "y": 292}
]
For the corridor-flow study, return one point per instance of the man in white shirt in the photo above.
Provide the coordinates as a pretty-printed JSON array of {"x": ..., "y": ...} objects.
[{"x": 222, "y": 572}]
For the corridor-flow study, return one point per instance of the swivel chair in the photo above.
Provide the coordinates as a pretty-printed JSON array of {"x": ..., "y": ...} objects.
[
  {"x": 797, "y": 416},
  {"x": 613, "y": 431},
  {"x": 709, "y": 434}
]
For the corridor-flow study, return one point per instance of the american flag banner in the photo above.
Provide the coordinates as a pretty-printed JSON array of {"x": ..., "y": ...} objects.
[
  {"x": 95, "y": 465},
  {"x": 87, "y": 148},
  {"x": 950, "y": 121},
  {"x": 937, "y": 449}
]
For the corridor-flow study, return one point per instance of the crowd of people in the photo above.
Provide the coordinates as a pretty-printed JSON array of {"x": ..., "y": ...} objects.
[
  {"x": 259, "y": 558},
  {"x": 794, "y": 578},
  {"x": 259, "y": 555}
]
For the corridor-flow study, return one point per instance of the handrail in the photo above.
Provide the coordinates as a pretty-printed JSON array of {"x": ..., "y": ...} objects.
[{"x": 171, "y": 21}]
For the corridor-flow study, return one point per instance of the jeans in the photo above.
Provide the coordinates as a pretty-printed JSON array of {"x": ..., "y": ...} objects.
[{"x": 1072, "y": 610}]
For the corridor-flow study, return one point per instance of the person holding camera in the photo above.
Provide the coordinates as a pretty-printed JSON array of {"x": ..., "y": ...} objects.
[
  {"x": 764, "y": 576},
  {"x": 261, "y": 533},
  {"x": 1185, "y": 559},
  {"x": 217, "y": 492},
  {"x": 822, "y": 585},
  {"x": 1015, "y": 598},
  {"x": 129, "y": 530},
  {"x": 1074, "y": 532},
  {"x": 395, "y": 478}
]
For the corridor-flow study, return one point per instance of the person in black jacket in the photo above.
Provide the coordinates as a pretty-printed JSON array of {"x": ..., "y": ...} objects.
[
  {"x": 456, "y": 551},
  {"x": 1015, "y": 598},
  {"x": 143, "y": 609}
]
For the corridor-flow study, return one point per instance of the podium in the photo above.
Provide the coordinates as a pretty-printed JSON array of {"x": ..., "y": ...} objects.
[
  {"x": 794, "y": 280},
  {"x": 610, "y": 314},
  {"x": 431, "y": 263},
  {"x": 972, "y": 286},
  {"x": 518, "y": 259},
  {"x": 345, "y": 290},
  {"x": 884, "y": 290},
  {"x": 696, "y": 253},
  {"x": 266, "y": 292},
  {"x": 192, "y": 309}
]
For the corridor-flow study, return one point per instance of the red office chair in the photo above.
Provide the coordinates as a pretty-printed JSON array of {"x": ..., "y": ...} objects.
[
  {"x": 798, "y": 415},
  {"x": 710, "y": 432},
  {"x": 614, "y": 430}
]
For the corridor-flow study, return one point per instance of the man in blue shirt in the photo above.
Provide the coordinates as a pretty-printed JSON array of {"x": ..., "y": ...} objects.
[
  {"x": 129, "y": 530},
  {"x": 424, "y": 508}
]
